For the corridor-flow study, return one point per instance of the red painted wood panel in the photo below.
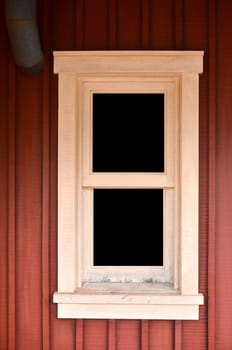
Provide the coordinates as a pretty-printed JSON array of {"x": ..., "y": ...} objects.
[
  {"x": 4, "y": 90},
  {"x": 162, "y": 25},
  {"x": 28, "y": 174},
  {"x": 128, "y": 335},
  {"x": 161, "y": 335},
  {"x": 128, "y": 24},
  {"x": 196, "y": 37},
  {"x": 95, "y": 335},
  {"x": 11, "y": 211},
  {"x": 223, "y": 179},
  {"x": 212, "y": 179},
  {"x": 28, "y": 212},
  {"x": 95, "y": 16}
]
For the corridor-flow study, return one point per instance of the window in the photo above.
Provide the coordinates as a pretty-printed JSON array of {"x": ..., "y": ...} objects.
[
  {"x": 128, "y": 132},
  {"x": 128, "y": 185}
]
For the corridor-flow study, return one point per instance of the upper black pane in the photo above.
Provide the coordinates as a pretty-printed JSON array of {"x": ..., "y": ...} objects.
[{"x": 128, "y": 132}]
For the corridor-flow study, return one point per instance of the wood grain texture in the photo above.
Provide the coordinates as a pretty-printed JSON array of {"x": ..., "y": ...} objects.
[
  {"x": 162, "y": 22},
  {"x": 145, "y": 23},
  {"x": 112, "y": 24},
  {"x": 129, "y": 24},
  {"x": 128, "y": 335},
  {"x": 28, "y": 212},
  {"x": 4, "y": 186},
  {"x": 212, "y": 178},
  {"x": 28, "y": 137},
  {"x": 80, "y": 335},
  {"x": 223, "y": 177},
  {"x": 178, "y": 335},
  {"x": 95, "y": 335},
  {"x": 63, "y": 332},
  {"x": 95, "y": 21},
  {"x": 79, "y": 25},
  {"x": 63, "y": 35},
  {"x": 161, "y": 335},
  {"x": 195, "y": 24},
  {"x": 145, "y": 331},
  {"x": 111, "y": 335},
  {"x": 11, "y": 212},
  {"x": 178, "y": 24},
  {"x": 63, "y": 24},
  {"x": 45, "y": 134}
]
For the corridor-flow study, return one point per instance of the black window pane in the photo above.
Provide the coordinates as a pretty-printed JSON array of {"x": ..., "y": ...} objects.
[
  {"x": 128, "y": 227},
  {"x": 128, "y": 132}
]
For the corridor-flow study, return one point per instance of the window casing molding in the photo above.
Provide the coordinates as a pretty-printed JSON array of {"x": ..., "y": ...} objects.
[{"x": 86, "y": 291}]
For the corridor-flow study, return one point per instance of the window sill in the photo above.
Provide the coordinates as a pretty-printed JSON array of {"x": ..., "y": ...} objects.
[{"x": 122, "y": 304}]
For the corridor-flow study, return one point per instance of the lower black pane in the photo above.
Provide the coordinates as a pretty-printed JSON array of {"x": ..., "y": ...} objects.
[{"x": 128, "y": 227}]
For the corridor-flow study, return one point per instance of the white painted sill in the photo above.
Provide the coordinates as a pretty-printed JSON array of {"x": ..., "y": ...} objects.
[{"x": 116, "y": 304}]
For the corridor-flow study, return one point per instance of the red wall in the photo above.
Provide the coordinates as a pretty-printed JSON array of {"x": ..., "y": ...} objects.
[{"x": 28, "y": 163}]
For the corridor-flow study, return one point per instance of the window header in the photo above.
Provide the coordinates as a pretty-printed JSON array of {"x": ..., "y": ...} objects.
[{"x": 128, "y": 61}]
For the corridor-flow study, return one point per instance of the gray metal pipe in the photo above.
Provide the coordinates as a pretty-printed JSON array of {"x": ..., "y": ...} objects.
[{"x": 23, "y": 34}]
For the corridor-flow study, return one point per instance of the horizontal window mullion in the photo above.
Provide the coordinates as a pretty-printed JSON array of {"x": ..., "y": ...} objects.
[{"x": 128, "y": 181}]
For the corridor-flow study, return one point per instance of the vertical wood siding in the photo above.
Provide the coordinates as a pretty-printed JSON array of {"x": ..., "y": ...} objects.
[
  {"x": 223, "y": 280},
  {"x": 28, "y": 173}
]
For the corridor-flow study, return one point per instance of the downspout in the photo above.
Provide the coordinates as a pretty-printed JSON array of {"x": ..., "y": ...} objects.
[{"x": 23, "y": 35}]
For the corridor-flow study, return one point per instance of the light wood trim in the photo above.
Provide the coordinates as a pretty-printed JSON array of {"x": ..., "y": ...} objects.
[
  {"x": 128, "y": 180},
  {"x": 189, "y": 184},
  {"x": 173, "y": 71},
  {"x": 142, "y": 312},
  {"x": 127, "y": 298},
  {"x": 67, "y": 184},
  {"x": 165, "y": 85},
  {"x": 128, "y": 61}
]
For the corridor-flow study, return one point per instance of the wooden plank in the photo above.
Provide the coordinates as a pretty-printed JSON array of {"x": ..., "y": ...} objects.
[
  {"x": 144, "y": 335},
  {"x": 178, "y": 24},
  {"x": 63, "y": 332},
  {"x": 195, "y": 24},
  {"x": 111, "y": 335},
  {"x": 112, "y": 24},
  {"x": 11, "y": 212},
  {"x": 145, "y": 24},
  {"x": 178, "y": 45},
  {"x": 3, "y": 229},
  {"x": 28, "y": 212},
  {"x": 223, "y": 288},
  {"x": 178, "y": 335},
  {"x": 212, "y": 178},
  {"x": 63, "y": 21},
  {"x": 128, "y": 335},
  {"x": 128, "y": 24},
  {"x": 4, "y": 183},
  {"x": 79, "y": 25},
  {"x": 79, "y": 334},
  {"x": 162, "y": 25},
  {"x": 96, "y": 24},
  {"x": 45, "y": 278},
  {"x": 161, "y": 335},
  {"x": 95, "y": 335},
  {"x": 81, "y": 18}
]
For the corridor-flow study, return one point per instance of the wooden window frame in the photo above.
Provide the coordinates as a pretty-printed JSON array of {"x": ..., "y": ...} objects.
[{"x": 86, "y": 291}]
